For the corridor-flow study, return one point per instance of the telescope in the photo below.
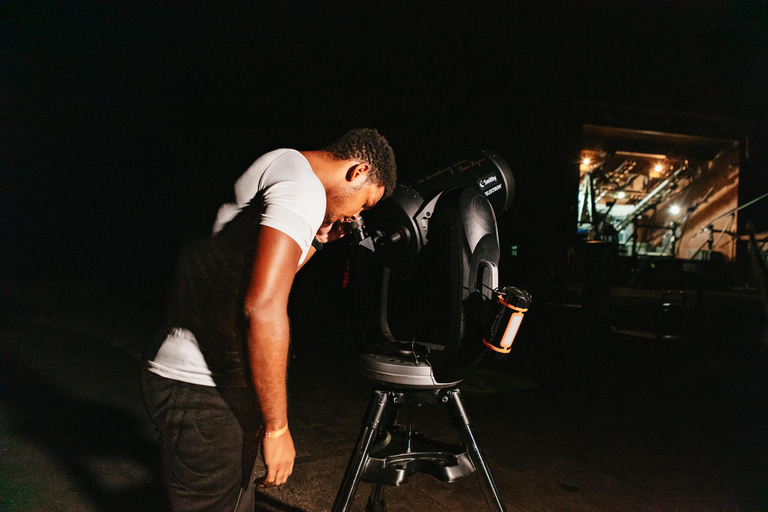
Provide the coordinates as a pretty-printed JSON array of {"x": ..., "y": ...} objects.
[
  {"x": 430, "y": 307},
  {"x": 427, "y": 277}
]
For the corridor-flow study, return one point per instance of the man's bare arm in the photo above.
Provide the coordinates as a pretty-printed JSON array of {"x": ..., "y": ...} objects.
[{"x": 266, "y": 309}]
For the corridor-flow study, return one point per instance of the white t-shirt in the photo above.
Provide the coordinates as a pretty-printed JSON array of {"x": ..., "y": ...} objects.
[{"x": 293, "y": 203}]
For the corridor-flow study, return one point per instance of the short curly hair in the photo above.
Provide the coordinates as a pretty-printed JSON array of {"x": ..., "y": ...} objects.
[{"x": 368, "y": 146}]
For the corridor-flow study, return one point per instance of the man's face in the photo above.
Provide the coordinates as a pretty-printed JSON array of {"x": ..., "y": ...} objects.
[{"x": 346, "y": 204}]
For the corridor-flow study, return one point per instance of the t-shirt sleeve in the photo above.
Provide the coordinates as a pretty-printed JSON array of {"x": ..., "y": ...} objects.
[{"x": 294, "y": 199}]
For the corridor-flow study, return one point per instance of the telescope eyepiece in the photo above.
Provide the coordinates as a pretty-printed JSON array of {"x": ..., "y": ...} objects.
[
  {"x": 376, "y": 239},
  {"x": 356, "y": 228}
]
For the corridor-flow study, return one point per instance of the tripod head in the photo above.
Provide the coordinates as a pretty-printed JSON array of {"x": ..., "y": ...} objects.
[{"x": 427, "y": 273}]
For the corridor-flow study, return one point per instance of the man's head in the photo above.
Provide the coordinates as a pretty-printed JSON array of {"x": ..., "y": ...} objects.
[
  {"x": 369, "y": 173},
  {"x": 366, "y": 145}
]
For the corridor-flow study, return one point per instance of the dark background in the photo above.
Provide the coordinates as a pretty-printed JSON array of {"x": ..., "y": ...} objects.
[{"x": 121, "y": 121}]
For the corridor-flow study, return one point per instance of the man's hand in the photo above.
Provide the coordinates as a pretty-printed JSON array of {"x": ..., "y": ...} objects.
[
  {"x": 330, "y": 232},
  {"x": 279, "y": 454}
]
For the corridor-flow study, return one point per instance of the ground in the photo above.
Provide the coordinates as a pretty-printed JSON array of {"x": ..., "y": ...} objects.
[{"x": 576, "y": 421}]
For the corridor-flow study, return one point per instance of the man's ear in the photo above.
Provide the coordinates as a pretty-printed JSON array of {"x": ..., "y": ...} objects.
[{"x": 357, "y": 171}]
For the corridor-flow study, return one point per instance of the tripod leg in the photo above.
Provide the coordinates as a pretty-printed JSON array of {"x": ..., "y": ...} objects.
[
  {"x": 376, "y": 501},
  {"x": 461, "y": 421},
  {"x": 372, "y": 424}
]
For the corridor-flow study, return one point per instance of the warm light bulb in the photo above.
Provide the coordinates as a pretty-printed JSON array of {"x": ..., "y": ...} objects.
[
  {"x": 658, "y": 168},
  {"x": 585, "y": 161},
  {"x": 621, "y": 195},
  {"x": 674, "y": 209}
]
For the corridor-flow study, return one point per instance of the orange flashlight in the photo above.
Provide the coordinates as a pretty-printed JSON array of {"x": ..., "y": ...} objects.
[{"x": 510, "y": 305}]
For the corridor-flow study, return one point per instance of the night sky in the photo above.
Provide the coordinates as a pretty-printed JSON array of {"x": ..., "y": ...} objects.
[{"x": 119, "y": 122}]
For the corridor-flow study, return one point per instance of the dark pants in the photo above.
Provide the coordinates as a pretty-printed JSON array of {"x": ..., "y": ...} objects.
[{"x": 209, "y": 443}]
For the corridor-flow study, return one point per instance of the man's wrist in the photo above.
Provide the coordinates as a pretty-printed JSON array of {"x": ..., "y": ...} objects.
[
  {"x": 317, "y": 244},
  {"x": 272, "y": 434}
]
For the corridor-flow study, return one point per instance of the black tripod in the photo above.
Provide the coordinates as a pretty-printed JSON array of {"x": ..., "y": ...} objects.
[{"x": 383, "y": 456}]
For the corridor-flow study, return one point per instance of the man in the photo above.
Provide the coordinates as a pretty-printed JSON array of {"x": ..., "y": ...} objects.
[{"x": 214, "y": 383}]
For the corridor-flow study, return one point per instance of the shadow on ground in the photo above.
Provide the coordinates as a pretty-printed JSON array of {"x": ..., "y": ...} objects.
[{"x": 100, "y": 447}]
